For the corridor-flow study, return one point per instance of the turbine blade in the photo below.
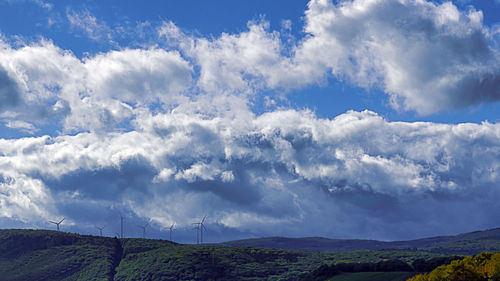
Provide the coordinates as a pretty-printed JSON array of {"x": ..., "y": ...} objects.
[
  {"x": 53, "y": 222},
  {"x": 203, "y": 218},
  {"x": 62, "y": 220}
]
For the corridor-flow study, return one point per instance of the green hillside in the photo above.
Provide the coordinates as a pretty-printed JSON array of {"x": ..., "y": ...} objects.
[{"x": 51, "y": 255}]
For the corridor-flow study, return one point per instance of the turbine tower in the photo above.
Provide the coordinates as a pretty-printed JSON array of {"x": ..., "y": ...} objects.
[
  {"x": 199, "y": 233},
  {"x": 171, "y": 227},
  {"x": 100, "y": 230},
  {"x": 144, "y": 229},
  {"x": 121, "y": 226},
  {"x": 197, "y": 227},
  {"x": 57, "y": 223}
]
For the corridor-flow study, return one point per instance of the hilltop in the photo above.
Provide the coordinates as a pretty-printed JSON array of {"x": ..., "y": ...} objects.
[{"x": 463, "y": 244}]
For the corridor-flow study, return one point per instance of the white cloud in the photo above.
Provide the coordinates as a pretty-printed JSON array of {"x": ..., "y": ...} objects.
[
  {"x": 239, "y": 63},
  {"x": 91, "y": 94},
  {"x": 86, "y": 22},
  {"x": 427, "y": 57},
  {"x": 152, "y": 125},
  {"x": 138, "y": 76},
  {"x": 44, "y": 4},
  {"x": 278, "y": 169},
  {"x": 286, "y": 25},
  {"x": 24, "y": 199},
  {"x": 23, "y": 126}
]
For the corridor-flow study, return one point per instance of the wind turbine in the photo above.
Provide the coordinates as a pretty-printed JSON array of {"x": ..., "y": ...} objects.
[
  {"x": 121, "y": 226},
  {"x": 100, "y": 230},
  {"x": 57, "y": 223},
  {"x": 171, "y": 227},
  {"x": 200, "y": 226},
  {"x": 144, "y": 229},
  {"x": 197, "y": 233}
]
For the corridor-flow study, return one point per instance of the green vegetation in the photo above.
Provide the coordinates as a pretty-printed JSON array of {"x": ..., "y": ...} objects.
[
  {"x": 340, "y": 269},
  {"x": 51, "y": 255},
  {"x": 39, "y": 255},
  {"x": 373, "y": 276},
  {"x": 482, "y": 267},
  {"x": 215, "y": 263}
]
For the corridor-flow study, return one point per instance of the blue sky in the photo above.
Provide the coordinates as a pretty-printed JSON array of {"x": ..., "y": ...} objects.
[{"x": 297, "y": 118}]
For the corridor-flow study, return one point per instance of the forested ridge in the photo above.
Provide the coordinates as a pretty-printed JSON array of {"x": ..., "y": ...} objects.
[{"x": 53, "y": 255}]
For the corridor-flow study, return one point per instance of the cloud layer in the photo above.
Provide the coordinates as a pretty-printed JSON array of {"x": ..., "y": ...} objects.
[
  {"x": 166, "y": 132},
  {"x": 356, "y": 174}
]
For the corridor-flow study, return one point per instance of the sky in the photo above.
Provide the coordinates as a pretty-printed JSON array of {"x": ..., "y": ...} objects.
[{"x": 374, "y": 119}]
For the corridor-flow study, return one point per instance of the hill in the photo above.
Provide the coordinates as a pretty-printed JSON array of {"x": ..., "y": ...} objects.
[
  {"x": 43, "y": 254},
  {"x": 52, "y": 255},
  {"x": 462, "y": 244}
]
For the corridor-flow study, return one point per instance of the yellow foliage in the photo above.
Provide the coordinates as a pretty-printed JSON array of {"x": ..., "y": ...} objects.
[{"x": 482, "y": 267}]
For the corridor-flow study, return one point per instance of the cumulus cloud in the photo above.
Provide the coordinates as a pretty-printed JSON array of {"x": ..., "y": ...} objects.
[
  {"x": 166, "y": 132},
  {"x": 236, "y": 63},
  {"x": 24, "y": 199},
  {"x": 271, "y": 172},
  {"x": 91, "y": 93},
  {"x": 39, "y": 72},
  {"x": 139, "y": 76},
  {"x": 426, "y": 56}
]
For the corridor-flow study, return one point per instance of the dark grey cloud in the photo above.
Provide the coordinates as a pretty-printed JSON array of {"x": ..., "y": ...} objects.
[
  {"x": 10, "y": 95},
  {"x": 477, "y": 89},
  {"x": 107, "y": 183}
]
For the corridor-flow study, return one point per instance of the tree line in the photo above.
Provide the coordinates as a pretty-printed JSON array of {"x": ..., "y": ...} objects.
[{"x": 419, "y": 265}]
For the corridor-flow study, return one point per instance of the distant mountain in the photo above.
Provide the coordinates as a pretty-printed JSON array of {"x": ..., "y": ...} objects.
[{"x": 464, "y": 244}]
